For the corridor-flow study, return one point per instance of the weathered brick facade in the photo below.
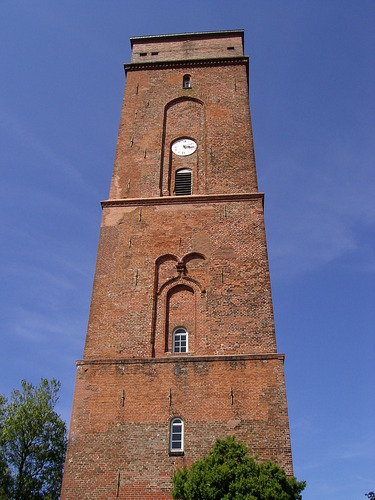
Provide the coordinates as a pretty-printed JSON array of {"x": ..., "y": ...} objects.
[{"x": 196, "y": 261}]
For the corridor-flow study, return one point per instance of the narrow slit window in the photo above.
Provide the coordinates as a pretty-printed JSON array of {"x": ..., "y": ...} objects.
[
  {"x": 176, "y": 439},
  {"x": 186, "y": 82},
  {"x": 183, "y": 182}
]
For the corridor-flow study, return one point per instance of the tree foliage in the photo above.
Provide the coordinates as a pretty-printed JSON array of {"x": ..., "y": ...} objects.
[
  {"x": 228, "y": 472},
  {"x": 32, "y": 443}
]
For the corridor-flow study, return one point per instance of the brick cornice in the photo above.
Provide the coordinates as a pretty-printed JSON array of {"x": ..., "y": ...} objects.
[
  {"x": 217, "y": 61},
  {"x": 182, "y": 359},
  {"x": 178, "y": 200}
]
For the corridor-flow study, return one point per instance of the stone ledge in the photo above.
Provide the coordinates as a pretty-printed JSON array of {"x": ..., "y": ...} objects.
[
  {"x": 178, "y": 200},
  {"x": 182, "y": 359}
]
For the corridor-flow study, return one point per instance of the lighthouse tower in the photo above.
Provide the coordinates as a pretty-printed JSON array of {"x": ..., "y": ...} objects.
[{"x": 180, "y": 347}]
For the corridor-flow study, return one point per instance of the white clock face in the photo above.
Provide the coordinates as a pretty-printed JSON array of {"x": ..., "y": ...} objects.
[{"x": 184, "y": 147}]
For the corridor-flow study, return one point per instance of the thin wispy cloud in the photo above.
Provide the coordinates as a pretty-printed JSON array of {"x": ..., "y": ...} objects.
[
  {"x": 323, "y": 219},
  {"x": 49, "y": 158},
  {"x": 39, "y": 327}
]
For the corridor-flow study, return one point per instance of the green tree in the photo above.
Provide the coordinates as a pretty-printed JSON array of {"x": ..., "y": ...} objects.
[
  {"x": 5, "y": 475},
  {"x": 228, "y": 472},
  {"x": 32, "y": 443}
]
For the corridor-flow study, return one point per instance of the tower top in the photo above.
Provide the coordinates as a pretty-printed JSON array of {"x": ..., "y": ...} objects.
[{"x": 198, "y": 45}]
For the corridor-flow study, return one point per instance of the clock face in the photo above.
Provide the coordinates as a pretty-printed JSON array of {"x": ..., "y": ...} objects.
[{"x": 184, "y": 147}]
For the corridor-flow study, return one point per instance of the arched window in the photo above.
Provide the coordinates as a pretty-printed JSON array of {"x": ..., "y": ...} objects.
[
  {"x": 183, "y": 182},
  {"x": 186, "y": 82},
  {"x": 176, "y": 436},
  {"x": 180, "y": 340}
]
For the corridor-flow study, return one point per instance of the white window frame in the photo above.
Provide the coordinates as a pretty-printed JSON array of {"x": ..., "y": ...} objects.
[
  {"x": 176, "y": 445},
  {"x": 180, "y": 332}
]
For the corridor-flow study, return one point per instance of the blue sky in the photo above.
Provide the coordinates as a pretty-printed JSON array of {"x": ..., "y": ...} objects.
[{"x": 312, "y": 74}]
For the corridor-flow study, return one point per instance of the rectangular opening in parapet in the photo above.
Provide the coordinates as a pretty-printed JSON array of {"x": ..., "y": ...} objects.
[
  {"x": 154, "y": 53},
  {"x": 230, "y": 48},
  {"x": 142, "y": 54}
]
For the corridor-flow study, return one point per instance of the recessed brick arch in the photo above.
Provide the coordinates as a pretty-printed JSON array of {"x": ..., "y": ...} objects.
[
  {"x": 183, "y": 118},
  {"x": 180, "y": 311},
  {"x": 178, "y": 302}
]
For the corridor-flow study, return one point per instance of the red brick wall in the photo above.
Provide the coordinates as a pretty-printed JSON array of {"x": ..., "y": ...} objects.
[
  {"x": 133, "y": 439},
  {"x": 189, "y": 46},
  {"x": 152, "y": 117},
  {"x": 233, "y": 308}
]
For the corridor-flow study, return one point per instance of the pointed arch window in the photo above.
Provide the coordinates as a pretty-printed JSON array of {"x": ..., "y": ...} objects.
[
  {"x": 186, "y": 82},
  {"x": 180, "y": 340},
  {"x": 183, "y": 182},
  {"x": 176, "y": 436}
]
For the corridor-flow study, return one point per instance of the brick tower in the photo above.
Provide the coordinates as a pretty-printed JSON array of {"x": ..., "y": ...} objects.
[{"x": 180, "y": 346}]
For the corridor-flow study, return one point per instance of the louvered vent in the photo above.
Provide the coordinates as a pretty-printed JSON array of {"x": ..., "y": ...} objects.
[{"x": 183, "y": 182}]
